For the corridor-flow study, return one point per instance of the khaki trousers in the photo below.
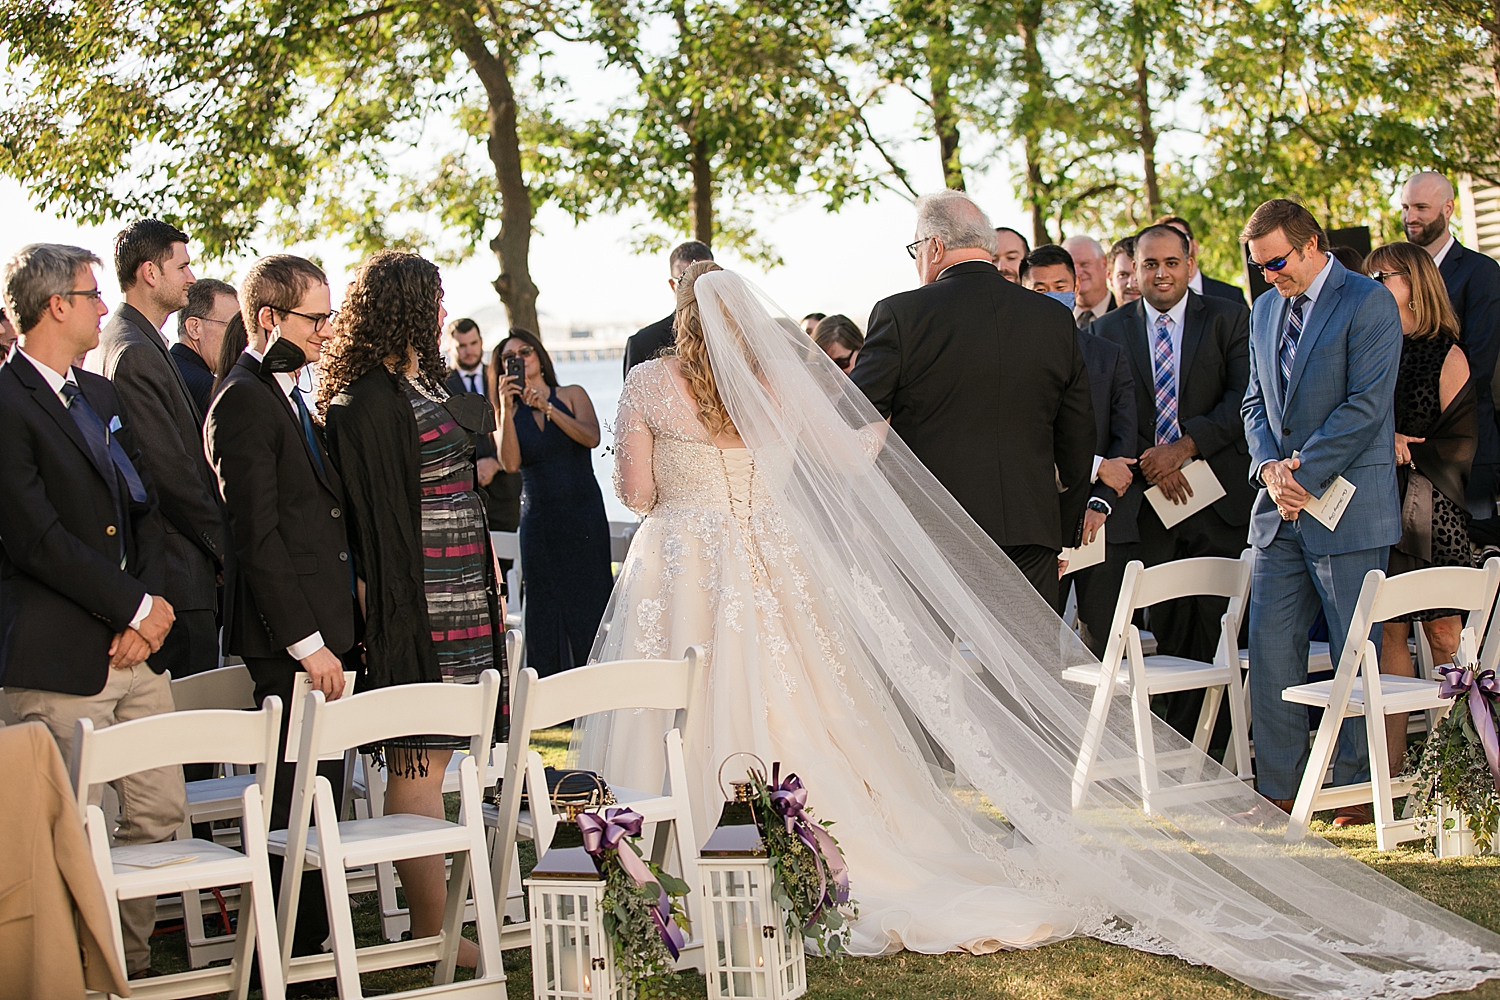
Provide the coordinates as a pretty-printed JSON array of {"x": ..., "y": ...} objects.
[{"x": 152, "y": 803}]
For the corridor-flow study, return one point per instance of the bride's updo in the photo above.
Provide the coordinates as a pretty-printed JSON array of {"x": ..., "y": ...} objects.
[{"x": 692, "y": 352}]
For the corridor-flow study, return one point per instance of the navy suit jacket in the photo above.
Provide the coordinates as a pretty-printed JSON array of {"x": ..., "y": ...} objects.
[
  {"x": 1223, "y": 290},
  {"x": 648, "y": 342},
  {"x": 1473, "y": 281},
  {"x": 196, "y": 373},
  {"x": 1113, "y": 397},
  {"x": 1215, "y": 369},
  {"x": 63, "y": 593},
  {"x": 1338, "y": 411}
]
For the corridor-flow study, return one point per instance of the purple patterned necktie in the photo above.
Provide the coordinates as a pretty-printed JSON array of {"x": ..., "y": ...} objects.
[
  {"x": 1287, "y": 355},
  {"x": 1167, "y": 430}
]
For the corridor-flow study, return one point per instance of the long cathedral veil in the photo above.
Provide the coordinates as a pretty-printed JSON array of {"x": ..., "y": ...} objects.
[{"x": 971, "y": 658}]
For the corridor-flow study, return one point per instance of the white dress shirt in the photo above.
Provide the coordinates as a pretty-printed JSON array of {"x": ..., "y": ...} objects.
[
  {"x": 1195, "y": 283},
  {"x": 56, "y": 382},
  {"x": 286, "y": 382},
  {"x": 473, "y": 378},
  {"x": 1178, "y": 315},
  {"x": 1437, "y": 258}
]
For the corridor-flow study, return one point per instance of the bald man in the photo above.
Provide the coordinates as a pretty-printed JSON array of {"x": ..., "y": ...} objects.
[
  {"x": 1093, "y": 298},
  {"x": 1473, "y": 281}
]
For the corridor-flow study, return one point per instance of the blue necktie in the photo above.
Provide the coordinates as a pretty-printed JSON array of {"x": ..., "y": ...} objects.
[
  {"x": 1287, "y": 355},
  {"x": 307, "y": 429},
  {"x": 1167, "y": 429},
  {"x": 100, "y": 443}
]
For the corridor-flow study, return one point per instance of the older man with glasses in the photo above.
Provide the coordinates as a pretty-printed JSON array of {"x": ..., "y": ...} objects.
[
  {"x": 985, "y": 382},
  {"x": 1325, "y": 349}
]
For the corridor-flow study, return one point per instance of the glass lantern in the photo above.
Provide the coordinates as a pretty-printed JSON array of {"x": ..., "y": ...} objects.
[
  {"x": 571, "y": 959},
  {"x": 749, "y": 951}
]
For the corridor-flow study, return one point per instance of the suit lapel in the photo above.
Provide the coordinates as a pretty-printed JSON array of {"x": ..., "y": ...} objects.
[
  {"x": 1450, "y": 263},
  {"x": 1192, "y": 333},
  {"x": 48, "y": 401},
  {"x": 1140, "y": 347},
  {"x": 287, "y": 407},
  {"x": 1325, "y": 306},
  {"x": 152, "y": 336},
  {"x": 1271, "y": 345}
]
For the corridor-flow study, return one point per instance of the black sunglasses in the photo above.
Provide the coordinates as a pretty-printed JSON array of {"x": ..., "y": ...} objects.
[
  {"x": 846, "y": 362},
  {"x": 1271, "y": 265},
  {"x": 1382, "y": 275}
]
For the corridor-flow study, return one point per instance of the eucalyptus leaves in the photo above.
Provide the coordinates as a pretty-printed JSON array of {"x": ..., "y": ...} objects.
[
  {"x": 1459, "y": 764},
  {"x": 642, "y": 916}
]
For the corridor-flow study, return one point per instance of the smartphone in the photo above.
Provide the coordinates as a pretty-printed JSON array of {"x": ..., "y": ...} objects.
[{"x": 515, "y": 369}]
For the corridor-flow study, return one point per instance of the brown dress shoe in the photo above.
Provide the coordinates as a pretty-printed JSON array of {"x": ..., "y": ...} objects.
[
  {"x": 1361, "y": 815},
  {"x": 1267, "y": 813}
]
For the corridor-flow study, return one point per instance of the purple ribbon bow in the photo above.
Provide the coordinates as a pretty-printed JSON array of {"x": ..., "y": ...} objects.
[
  {"x": 789, "y": 799},
  {"x": 600, "y": 833},
  {"x": 1480, "y": 688}
]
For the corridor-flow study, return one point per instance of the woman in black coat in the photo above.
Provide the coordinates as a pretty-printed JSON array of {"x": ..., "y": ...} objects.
[{"x": 424, "y": 569}]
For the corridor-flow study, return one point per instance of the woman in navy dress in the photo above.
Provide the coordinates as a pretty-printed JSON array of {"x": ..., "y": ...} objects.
[{"x": 547, "y": 431}]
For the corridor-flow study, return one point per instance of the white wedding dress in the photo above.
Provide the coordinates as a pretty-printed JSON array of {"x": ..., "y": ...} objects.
[{"x": 859, "y": 629}]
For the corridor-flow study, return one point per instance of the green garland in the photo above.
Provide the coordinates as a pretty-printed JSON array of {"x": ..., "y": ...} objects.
[
  {"x": 794, "y": 880},
  {"x": 641, "y": 958},
  {"x": 1451, "y": 770}
]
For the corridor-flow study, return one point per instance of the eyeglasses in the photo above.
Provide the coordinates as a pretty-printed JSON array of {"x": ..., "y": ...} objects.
[
  {"x": 1382, "y": 275},
  {"x": 1272, "y": 265},
  {"x": 92, "y": 293},
  {"x": 845, "y": 363},
  {"x": 911, "y": 248},
  {"x": 520, "y": 352},
  {"x": 206, "y": 319},
  {"x": 318, "y": 321}
]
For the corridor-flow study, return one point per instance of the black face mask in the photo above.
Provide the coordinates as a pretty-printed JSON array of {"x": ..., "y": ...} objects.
[{"x": 282, "y": 356}]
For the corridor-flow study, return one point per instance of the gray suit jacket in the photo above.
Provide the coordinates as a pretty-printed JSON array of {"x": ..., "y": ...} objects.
[
  {"x": 1338, "y": 411},
  {"x": 168, "y": 431}
]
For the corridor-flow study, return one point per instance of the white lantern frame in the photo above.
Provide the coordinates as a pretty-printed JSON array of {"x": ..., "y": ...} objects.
[{"x": 751, "y": 947}]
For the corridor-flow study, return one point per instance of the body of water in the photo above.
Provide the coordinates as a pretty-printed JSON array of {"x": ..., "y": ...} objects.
[{"x": 603, "y": 380}]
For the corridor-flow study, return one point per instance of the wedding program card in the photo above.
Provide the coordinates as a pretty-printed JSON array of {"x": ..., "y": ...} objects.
[
  {"x": 1206, "y": 489},
  {"x": 1085, "y": 556},
  {"x": 301, "y": 686},
  {"x": 1329, "y": 507}
]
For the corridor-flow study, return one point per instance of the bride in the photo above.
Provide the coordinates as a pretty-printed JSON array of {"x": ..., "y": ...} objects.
[{"x": 860, "y": 628}]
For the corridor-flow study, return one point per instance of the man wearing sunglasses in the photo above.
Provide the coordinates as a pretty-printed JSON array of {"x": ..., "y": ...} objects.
[{"x": 1325, "y": 348}]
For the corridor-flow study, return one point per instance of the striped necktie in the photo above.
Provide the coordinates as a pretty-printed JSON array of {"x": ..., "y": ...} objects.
[
  {"x": 1167, "y": 430},
  {"x": 1287, "y": 355}
]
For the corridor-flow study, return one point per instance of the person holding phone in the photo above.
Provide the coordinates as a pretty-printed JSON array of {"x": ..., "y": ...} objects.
[{"x": 546, "y": 431}]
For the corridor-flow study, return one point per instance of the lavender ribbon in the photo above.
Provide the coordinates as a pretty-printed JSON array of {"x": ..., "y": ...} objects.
[
  {"x": 789, "y": 799},
  {"x": 600, "y": 833},
  {"x": 1480, "y": 688}
]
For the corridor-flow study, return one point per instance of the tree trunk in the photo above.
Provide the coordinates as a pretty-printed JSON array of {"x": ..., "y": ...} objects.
[
  {"x": 1147, "y": 134},
  {"x": 945, "y": 121},
  {"x": 703, "y": 194},
  {"x": 1029, "y": 27},
  {"x": 512, "y": 245}
]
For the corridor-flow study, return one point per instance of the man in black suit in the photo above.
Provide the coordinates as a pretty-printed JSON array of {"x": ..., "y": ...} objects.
[
  {"x": 1111, "y": 502},
  {"x": 1200, "y": 282},
  {"x": 294, "y": 594},
  {"x": 81, "y": 570},
  {"x": 648, "y": 342},
  {"x": 1473, "y": 281},
  {"x": 1190, "y": 353},
  {"x": 501, "y": 490},
  {"x": 984, "y": 382},
  {"x": 152, "y": 263},
  {"x": 211, "y": 304}
]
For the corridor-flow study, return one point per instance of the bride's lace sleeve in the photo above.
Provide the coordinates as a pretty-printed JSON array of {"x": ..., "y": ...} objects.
[{"x": 635, "y": 481}]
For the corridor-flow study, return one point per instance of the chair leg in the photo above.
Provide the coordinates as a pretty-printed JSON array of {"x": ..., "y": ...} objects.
[
  {"x": 1237, "y": 755},
  {"x": 1145, "y": 741},
  {"x": 1380, "y": 767},
  {"x": 258, "y": 906},
  {"x": 486, "y": 916},
  {"x": 453, "y": 918},
  {"x": 336, "y": 888},
  {"x": 1208, "y": 714}
]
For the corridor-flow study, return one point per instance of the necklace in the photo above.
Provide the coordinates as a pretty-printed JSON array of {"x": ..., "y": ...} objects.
[{"x": 418, "y": 384}]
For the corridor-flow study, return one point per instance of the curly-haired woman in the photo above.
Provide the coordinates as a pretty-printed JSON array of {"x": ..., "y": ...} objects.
[
  {"x": 425, "y": 572},
  {"x": 547, "y": 432}
]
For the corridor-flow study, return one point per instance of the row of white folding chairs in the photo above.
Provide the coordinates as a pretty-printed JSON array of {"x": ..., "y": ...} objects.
[{"x": 1126, "y": 670}]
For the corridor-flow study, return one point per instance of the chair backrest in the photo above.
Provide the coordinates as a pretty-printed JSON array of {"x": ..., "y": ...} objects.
[
  {"x": 621, "y": 534},
  {"x": 226, "y": 687},
  {"x": 461, "y": 710},
  {"x": 515, "y": 652},
  {"x": 1470, "y": 590},
  {"x": 1206, "y": 576},
  {"x": 172, "y": 738},
  {"x": 507, "y": 545},
  {"x": 540, "y": 702}
]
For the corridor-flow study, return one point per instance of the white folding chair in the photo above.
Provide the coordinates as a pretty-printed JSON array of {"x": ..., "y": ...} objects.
[
  {"x": 364, "y": 797},
  {"x": 143, "y": 871},
  {"x": 1151, "y": 675},
  {"x": 460, "y": 710},
  {"x": 507, "y": 545},
  {"x": 1359, "y": 689},
  {"x": 538, "y": 703},
  {"x": 621, "y": 533},
  {"x": 7, "y": 717},
  {"x": 212, "y": 799}
]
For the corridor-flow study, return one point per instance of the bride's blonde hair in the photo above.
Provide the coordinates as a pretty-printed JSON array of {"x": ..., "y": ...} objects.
[{"x": 692, "y": 353}]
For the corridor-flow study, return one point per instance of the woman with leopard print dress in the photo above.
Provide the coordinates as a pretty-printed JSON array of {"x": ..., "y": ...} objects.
[{"x": 1436, "y": 434}]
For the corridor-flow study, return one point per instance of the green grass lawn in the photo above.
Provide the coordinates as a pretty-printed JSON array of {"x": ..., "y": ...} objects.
[{"x": 1080, "y": 969}]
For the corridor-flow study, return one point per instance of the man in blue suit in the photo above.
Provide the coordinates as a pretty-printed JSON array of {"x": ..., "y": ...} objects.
[{"x": 1325, "y": 348}]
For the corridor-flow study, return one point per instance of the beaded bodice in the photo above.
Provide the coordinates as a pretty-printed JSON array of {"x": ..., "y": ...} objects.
[{"x": 665, "y": 460}]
